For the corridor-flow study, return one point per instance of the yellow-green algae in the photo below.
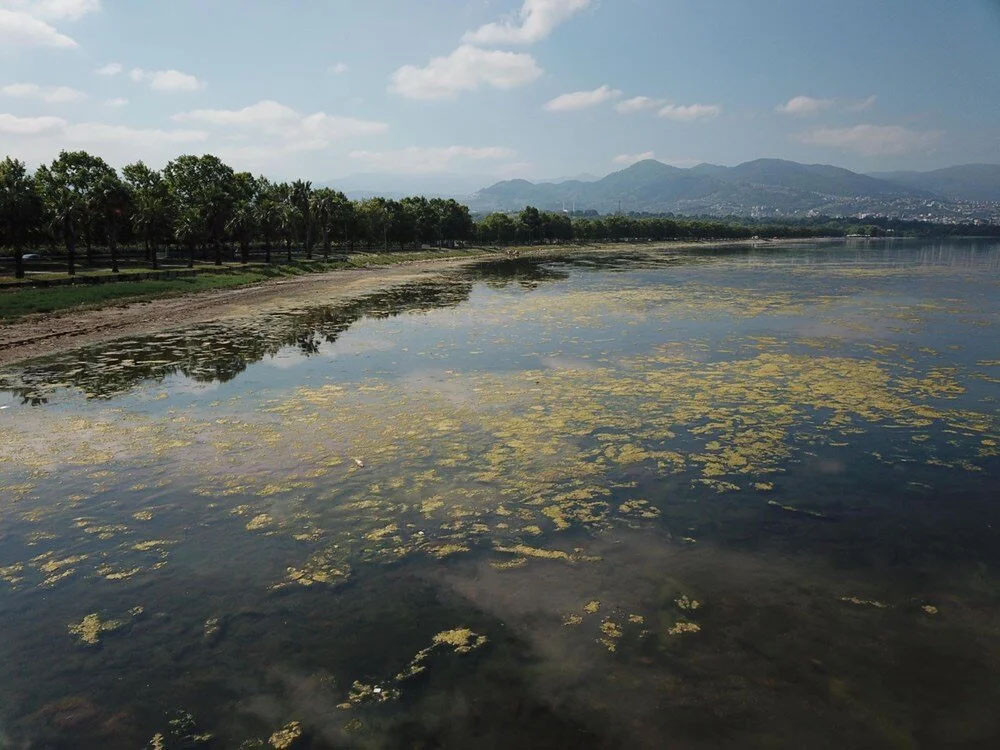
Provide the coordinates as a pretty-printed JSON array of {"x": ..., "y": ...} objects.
[
  {"x": 683, "y": 626},
  {"x": 461, "y": 640},
  {"x": 683, "y": 602},
  {"x": 91, "y": 628},
  {"x": 286, "y": 737},
  {"x": 540, "y": 450},
  {"x": 611, "y": 632}
]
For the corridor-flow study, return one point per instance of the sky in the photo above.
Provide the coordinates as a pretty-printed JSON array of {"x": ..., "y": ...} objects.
[{"x": 476, "y": 89}]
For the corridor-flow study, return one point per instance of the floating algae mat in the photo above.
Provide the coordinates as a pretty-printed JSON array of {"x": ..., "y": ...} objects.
[{"x": 725, "y": 498}]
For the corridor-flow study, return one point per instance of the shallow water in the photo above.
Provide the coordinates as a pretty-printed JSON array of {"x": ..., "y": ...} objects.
[{"x": 740, "y": 498}]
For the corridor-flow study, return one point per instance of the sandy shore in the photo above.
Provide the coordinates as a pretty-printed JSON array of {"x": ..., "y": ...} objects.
[{"x": 48, "y": 334}]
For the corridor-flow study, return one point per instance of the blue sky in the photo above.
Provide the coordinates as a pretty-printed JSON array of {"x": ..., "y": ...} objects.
[{"x": 502, "y": 88}]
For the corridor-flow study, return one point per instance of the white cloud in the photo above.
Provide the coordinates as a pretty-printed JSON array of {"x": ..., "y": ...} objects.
[
  {"x": 98, "y": 132},
  {"x": 690, "y": 112},
  {"x": 863, "y": 104},
  {"x": 166, "y": 80},
  {"x": 53, "y": 10},
  {"x": 47, "y": 94},
  {"x": 93, "y": 132},
  {"x": 582, "y": 99},
  {"x": 24, "y": 23},
  {"x": 534, "y": 22},
  {"x": 118, "y": 101},
  {"x": 806, "y": 106},
  {"x": 629, "y": 159},
  {"x": 264, "y": 114},
  {"x": 38, "y": 139},
  {"x": 803, "y": 106},
  {"x": 420, "y": 160},
  {"x": 872, "y": 140},
  {"x": 339, "y": 68},
  {"x": 466, "y": 69},
  {"x": 18, "y": 30},
  {"x": 297, "y": 131},
  {"x": 111, "y": 69},
  {"x": 11, "y": 125},
  {"x": 638, "y": 104}
]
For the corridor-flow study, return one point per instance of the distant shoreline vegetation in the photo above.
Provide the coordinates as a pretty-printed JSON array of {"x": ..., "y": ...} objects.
[{"x": 199, "y": 207}]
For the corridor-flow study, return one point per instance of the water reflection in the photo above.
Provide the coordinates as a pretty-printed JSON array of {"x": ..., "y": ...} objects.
[
  {"x": 741, "y": 499},
  {"x": 219, "y": 352}
]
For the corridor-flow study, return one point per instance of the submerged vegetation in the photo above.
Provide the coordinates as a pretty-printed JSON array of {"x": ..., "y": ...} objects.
[{"x": 619, "y": 498}]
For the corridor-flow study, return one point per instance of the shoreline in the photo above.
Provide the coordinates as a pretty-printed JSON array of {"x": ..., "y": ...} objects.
[{"x": 50, "y": 333}]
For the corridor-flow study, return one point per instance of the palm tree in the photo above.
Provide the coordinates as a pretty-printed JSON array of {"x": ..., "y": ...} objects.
[
  {"x": 324, "y": 205},
  {"x": 288, "y": 214},
  {"x": 20, "y": 209},
  {"x": 187, "y": 230},
  {"x": 375, "y": 218},
  {"x": 243, "y": 221},
  {"x": 63, "y": 203},
  {"x": 150, "y": 205},
  {"x": 202, "y": 188},
  {"x": 112, "y": 199},
  {"x": 266, "y": 213},
  {"x": 301, "y": 197}
]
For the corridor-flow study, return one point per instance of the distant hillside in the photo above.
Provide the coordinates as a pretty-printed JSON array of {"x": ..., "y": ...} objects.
[
  {"x": 814, "y": 178},
  {"x": 969, "y": 182},
  {"x": 760, "y": 187}
]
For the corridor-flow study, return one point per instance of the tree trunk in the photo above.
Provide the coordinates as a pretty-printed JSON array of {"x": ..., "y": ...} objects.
[
  {"x": 288, "y": 248},
  {"x": 244, "y": 251},
  {"x": 326, "y": 243},
  {"x": 218, "y": 251},
  {"x": 267, "y": 249},
  {"x": 309, "y": 243},
  {"x": 90, "y": 251},
  {"x": 70, "y": 247},
  {"x": 191, "y": 255},
  {"x": 152, "y": 255},
  {"x": 113, "y": 249},
  {"x": 18, "y": 262}
]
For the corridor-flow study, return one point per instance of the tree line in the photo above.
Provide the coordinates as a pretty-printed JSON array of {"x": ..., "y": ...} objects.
[
  {"x": 200, "y": 204},
  {"x": 532, "y": 226}
]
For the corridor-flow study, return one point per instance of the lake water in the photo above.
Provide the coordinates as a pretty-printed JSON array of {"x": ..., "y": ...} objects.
[{"x": 719, "y": 498}]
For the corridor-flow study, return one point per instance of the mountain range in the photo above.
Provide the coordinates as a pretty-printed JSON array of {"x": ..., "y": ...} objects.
[{"x": 764, "y": 187}]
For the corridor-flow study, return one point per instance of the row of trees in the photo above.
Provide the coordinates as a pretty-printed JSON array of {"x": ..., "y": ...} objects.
[
  {"x": 531, "y": 226},
  {"x": 199, "y": 201}
]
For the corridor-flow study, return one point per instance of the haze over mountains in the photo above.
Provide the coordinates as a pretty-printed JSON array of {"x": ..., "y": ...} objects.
[
  {"x": 439, "y": 184},
  {"x": 764, "y": 187},
  {"x": 970, "y": 182}
]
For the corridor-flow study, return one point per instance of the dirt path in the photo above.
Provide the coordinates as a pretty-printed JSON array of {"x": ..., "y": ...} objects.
[{"x": 38, "y": 335}]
